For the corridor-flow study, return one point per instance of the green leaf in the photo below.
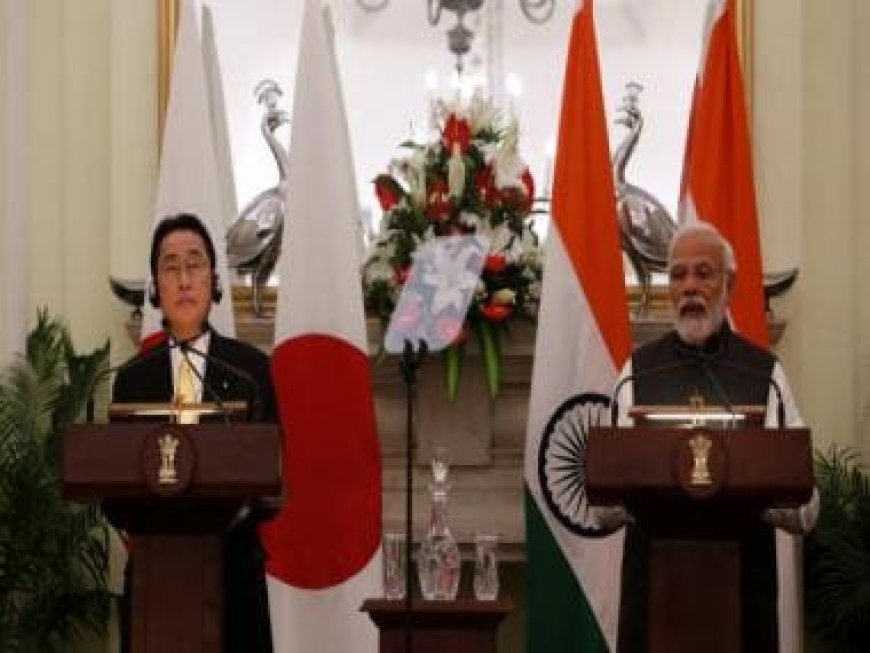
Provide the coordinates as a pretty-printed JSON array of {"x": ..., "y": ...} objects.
[
  {"x": 56, "y": 589},
  {"x": 490, "y": 352},
  {"x": 837, "y": 554},
  {"x": 452, "y": 357}
]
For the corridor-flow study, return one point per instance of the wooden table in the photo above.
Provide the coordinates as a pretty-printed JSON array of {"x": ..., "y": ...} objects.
[{"x": 460, "y": 626}]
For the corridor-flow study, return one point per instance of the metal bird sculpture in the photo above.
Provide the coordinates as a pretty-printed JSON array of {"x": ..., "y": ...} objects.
[
  {"x": 645, "y": 226},
  {"x": 254, "y": 237}
]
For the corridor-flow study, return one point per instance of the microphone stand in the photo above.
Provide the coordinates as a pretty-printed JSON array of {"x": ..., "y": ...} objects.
[{"x": 409, "y": 367}]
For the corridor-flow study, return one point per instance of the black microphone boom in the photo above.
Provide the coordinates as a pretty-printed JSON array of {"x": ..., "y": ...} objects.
[
  {"x": 634, "y": 376},
  {"x": 255, "y": 399},
  {"x": 138, "y": 359},
  {"x": 719, "y": 390},
  {"x": 218, "y": 401},
  {"x": 771, "y": 382},
  {"x": 717, "y": 359}
]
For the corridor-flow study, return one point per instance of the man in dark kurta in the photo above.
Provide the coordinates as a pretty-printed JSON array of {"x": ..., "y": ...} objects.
[{"x": 702, "y": 357}]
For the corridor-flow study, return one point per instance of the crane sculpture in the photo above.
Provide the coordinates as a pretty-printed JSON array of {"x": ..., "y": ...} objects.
[
  {"x": 254, "y": 237},
  {"x": 645, "y": 226}
]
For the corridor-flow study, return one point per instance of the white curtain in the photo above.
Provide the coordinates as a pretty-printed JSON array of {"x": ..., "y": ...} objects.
[{"x": 13, "y": 145}]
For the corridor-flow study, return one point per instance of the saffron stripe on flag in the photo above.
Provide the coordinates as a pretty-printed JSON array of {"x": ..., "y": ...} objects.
[
  {"x": 583, "y": 338},
  {"x": 718, "y": 184}
]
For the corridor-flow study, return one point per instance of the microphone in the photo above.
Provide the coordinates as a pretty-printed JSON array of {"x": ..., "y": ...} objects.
[
  {"x": 771, "y": 382},
  {"x": 205, "y": 386},
  {"x": 715, "y": 358},
  {"x": 141, "y": 357},
  {"x": 634, "y": 376},
  {"x": 718, "y": 390},
  {"x": 166, "y": 343},
  {"x": 255, "y": 399}
]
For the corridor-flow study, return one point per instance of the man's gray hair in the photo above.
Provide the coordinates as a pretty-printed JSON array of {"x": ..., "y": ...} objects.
[{"x": 707, "y": 229}]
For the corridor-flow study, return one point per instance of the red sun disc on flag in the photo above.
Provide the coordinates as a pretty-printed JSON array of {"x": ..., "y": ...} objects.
[{"x": 329, "y": 527}]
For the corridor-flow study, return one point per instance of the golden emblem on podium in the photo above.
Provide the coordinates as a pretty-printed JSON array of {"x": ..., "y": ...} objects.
[
  {"x": 700, "y": 445},
  {"x": 167, "y": 445}
]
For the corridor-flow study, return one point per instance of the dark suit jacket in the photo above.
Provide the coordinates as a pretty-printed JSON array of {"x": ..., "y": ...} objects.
[
  {"x": 151, "y": 379},
  {"x": 231, "y": 371}
]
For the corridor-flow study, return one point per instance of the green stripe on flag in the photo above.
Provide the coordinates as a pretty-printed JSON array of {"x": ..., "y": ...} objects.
[{"x": 559, "y": 618}]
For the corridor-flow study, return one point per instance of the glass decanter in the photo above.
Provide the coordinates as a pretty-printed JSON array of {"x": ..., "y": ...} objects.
[{"x": 438, "y": 562}]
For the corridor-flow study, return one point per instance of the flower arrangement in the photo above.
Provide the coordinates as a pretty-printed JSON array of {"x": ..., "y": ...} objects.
[{"x": 469, "y": 180}]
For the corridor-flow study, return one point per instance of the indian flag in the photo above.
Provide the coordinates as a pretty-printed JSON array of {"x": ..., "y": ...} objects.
[
  {"x": 583, "y": 339},
  {"x": 719, "y": 187},
  {"x": 718, "y": 184}
]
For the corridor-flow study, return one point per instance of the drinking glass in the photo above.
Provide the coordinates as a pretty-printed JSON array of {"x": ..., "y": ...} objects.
[
  {"x": 394, "y": 565},
  {"x": 486, "y": 567}
]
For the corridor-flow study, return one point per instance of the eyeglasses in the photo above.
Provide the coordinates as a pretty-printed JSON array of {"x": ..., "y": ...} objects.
[
  {"x": 703, "y": 272},
  {"x": 193, "y": 267}
]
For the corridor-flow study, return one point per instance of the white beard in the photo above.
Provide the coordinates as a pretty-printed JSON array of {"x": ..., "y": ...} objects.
[{"x": 695, "y": 329}]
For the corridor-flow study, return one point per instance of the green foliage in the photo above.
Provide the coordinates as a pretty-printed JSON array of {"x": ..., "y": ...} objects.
[
  {"x": 467, "y": 179},
  {"x": 53, "y": 554},
  {"x": 837, "y": 554}
]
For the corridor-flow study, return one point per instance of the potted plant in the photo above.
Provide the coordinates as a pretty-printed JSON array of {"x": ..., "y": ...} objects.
[
  {"x": 53, "y": 554},
  {"x": 837, "y": 555}
]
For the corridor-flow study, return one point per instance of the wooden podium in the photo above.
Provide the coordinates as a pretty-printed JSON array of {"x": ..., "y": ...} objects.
[
  {"x": 175, "y": 489},
  {"x": 695, "y": 492},
  {"x": 460, "y": 626}
]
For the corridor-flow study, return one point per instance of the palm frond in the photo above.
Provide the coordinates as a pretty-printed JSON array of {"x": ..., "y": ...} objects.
[
  {"x": 837, "y": 553},
  {"x": 53, "y": 555}
]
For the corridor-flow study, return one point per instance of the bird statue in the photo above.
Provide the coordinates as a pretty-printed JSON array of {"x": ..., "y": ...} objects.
[
  {"x": 645, "y": 226},
  {"x": 254, "y": 237},
  {"x": 777, "y": 283}
]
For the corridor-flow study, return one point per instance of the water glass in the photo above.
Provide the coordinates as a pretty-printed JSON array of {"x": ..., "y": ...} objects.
[
  {"x": 486, "y": 567},
  {"x": 394, "y": 565}
]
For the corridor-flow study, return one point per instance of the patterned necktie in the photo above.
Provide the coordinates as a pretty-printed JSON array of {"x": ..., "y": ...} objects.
[{"x": 185, "y": 392}]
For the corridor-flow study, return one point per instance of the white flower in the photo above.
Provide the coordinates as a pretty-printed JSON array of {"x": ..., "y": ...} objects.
[
  {"x": 439, "y": 110},
  {"x": 379, "y": 270},
  {"x": 481, "y": 113},
  {"x": 501, "y": 239},
  {"x": 470, "y": 220},
  {"x": 455, "y": 173},
  {"x": 416, "y": 177}
]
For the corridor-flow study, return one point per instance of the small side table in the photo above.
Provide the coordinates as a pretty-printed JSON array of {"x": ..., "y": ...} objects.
[{"x": 461, "y": 626}]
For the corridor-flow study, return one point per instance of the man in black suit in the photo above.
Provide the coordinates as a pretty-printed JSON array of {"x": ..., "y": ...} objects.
[{"x": 184, "y": 284}]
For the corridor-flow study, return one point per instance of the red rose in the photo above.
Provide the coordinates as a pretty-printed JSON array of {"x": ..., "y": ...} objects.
[
  {"x": 520, "y": 199},
  {"x": 400, "y": 275},
  {"x": 495, "y": 312},
  {"x": 437, "y": 201},
  {"x": 529, "y": 183},
  {"x": 388, "y": 191},
  {"x": 456, "y": 132},
  {"x": 495, "y": 263}
]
